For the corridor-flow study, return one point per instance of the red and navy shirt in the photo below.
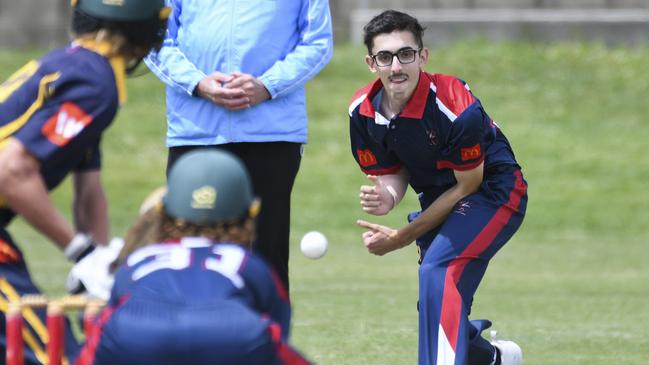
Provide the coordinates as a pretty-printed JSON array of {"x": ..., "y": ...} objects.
[
  {"x": 196, "y": 271},
  {"x": 442, "y": 128},
  {"x": 58, "y": 107}
]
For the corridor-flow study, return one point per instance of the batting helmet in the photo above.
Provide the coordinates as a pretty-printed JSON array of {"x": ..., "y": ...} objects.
[
  {"x": 209, "y": 186},
  {"x": 122, "y": 10},
  {"x": 141, "y": 22}
]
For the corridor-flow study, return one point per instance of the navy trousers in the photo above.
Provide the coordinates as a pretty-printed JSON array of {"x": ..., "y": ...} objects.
[
  {"x": 147, "y": 331},
  {"x": 453, "y": 261}
]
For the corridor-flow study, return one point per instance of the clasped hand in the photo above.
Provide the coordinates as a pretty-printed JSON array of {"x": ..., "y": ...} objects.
[{"x": 235, "y": 91}]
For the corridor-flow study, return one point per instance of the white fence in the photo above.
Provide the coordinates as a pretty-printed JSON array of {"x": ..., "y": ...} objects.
[
  {"x": 612, "y": 26},
  {"x": 45, "y": 22}
]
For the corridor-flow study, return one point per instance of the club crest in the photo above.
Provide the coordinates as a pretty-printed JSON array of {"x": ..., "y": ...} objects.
[
  {"x": 204, "y": 198},
  {"x": 432, "y": 137},
  {"x": 462, "y": 207}
]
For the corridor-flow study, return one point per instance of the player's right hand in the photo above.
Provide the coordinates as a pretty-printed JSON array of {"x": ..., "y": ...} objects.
[
  {"x": 380, "y": 239},
  {"x": 376, "y": 199}
]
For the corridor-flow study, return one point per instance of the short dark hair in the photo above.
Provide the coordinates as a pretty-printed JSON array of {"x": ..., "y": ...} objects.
[{"x": 389, "y": 21}]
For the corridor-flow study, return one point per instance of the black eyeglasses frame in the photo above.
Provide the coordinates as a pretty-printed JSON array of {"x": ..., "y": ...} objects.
[{"x": 397, "y": 53}]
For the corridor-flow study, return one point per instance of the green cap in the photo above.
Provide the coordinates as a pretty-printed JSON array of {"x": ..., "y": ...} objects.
[
  {"x": 208, "y": 186},
  {"x": 121, "y": 10}
]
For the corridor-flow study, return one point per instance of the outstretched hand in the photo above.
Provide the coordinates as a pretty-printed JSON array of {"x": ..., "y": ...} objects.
[
  {"x": 379, "y": 239},
  {"x": 375, "y": 198}
]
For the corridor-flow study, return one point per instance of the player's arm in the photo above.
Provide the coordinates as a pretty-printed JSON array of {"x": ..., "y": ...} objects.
[
  {"x": 90, "y": 206},
  {"x": 388, "y": 175},
  {"x": 271, "y": 298},
  {"x": 468, "y": 182},
  {"x": 381, "y": 239},
  {"x": 23, "y": 188},
  {"x": 279, "y": 305}
]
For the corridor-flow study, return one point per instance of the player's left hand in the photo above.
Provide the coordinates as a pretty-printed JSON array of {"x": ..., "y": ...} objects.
[
  {"x": 92, "y": 275},
  {"x": 253, "y": 87},
  {"x": 376, "y": 198},
  {"x": 379, "y": 239}
]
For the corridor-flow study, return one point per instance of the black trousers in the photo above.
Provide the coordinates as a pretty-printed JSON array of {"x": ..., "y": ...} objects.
[{"x": 273, "y": 167}]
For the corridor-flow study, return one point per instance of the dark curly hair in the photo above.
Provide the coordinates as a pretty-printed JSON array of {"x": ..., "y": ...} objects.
[
  {"x": 390, "y": 21},
  {"x": 154, "y": 226}
]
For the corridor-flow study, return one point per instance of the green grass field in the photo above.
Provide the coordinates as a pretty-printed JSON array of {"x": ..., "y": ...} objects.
[{"x": 571, "y": 287}]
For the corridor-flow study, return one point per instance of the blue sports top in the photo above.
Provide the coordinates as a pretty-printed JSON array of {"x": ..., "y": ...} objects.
[
  {"x": 58, "y": 107},
  {"x": 284, "y": 43},
  {"x": 198, "y": 272},
  {"x": 442, "y": 128}
]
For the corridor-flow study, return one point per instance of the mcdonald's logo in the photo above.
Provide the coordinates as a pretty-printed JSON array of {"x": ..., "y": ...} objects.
[
  {"x": 366, "y": 158},
  {"x": 470, "y": 153}
]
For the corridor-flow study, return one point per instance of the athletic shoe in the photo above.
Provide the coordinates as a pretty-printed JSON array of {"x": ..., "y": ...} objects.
[{"x": 510, "y": 352}]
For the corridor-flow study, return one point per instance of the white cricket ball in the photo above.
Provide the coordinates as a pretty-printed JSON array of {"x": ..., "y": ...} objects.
[{"x": 314, "y": 245}]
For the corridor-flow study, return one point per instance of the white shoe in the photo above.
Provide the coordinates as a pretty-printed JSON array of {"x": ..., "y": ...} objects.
[{"x": 510, "y": 352}]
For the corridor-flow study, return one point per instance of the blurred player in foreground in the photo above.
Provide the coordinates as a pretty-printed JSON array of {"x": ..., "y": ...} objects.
[
  {"x": 430, "y": 131},
  {"x": 189, "y": 290},
  {"x": 53, "y": 112}
]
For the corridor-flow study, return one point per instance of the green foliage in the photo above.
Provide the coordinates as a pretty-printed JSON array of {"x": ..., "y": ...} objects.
[{"x": 570, "y": 287}]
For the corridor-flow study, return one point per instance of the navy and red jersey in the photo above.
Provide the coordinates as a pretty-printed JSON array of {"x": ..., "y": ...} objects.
[
  {"x": 442, "y": 128},
  {"x": 58, "y": 107},
  {"x": 193, "y": 301},
  {"x": 195, "y": 273}
]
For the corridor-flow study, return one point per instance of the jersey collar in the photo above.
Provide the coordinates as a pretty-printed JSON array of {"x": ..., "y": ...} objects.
[
  {"x": 117, "y": 62},
  {"x": 415, "y": 107}
]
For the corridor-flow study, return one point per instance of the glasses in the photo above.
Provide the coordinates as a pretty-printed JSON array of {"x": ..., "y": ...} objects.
[{"x": 404, "y": 55}]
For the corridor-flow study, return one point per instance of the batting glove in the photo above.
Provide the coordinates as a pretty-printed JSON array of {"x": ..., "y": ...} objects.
[
  {"x": 81, "y": 245},
  {"x": 92, "y": 275}
]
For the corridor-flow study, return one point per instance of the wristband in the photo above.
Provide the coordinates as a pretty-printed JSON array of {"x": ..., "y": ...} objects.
[{"x": 393, "y": 194}]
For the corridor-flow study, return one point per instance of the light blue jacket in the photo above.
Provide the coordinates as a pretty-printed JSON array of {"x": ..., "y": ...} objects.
[{"x": 282, "y": 42}]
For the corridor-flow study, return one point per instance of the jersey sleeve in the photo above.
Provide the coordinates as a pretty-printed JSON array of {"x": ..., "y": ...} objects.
[
  {"x": 71, "y": 109},
  {"x": 120, "y": 285},
  {"x": 370, "y": 155},
  {"x": 468, "y": 123},
  {"x": 271, "y": 298}
]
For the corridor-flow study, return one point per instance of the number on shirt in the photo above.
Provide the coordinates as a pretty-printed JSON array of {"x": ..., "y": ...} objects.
[{"x": 223, "y": 259}]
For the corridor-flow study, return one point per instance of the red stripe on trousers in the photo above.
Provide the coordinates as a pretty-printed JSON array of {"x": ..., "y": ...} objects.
[{"x": 452, "y": 300}]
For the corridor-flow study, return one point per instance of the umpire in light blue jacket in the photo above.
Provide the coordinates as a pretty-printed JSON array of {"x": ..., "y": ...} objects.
[{"x": 235, "y": 73}]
